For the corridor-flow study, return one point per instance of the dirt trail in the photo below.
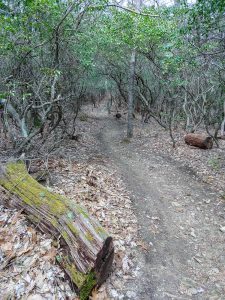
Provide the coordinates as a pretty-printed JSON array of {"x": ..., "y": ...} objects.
[{"x": 179, "y": 218}]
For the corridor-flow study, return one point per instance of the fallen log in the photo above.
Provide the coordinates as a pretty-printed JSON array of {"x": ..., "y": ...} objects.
[
  {"x": 86, "y": 252},
  {"x": 199, "y": 140}
]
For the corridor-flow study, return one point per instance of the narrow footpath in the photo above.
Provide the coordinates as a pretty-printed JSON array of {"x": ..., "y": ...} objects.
[{"x": 179, "y": 217}]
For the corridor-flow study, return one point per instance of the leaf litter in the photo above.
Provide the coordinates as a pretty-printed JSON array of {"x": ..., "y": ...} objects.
[{"x": 28, "y": 258}]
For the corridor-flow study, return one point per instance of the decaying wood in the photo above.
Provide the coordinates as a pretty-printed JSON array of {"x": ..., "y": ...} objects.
[
  {"x": 86, "y": 249},
  {"x": 199, "y": 140}
]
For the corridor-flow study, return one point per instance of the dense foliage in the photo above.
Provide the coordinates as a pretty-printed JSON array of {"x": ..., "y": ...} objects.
[{"x": 57, "y": 54}]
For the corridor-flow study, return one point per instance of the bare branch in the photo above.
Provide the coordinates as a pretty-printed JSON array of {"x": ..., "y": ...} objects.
[{"x": 132, "y": 11}]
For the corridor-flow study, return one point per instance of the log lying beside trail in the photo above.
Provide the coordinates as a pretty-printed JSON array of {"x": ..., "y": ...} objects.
[
  {"x": 86, "y": 249},
  {"x": 199, "y": 140}
]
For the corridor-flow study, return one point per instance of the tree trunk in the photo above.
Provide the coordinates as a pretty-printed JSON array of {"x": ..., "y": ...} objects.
[
  {"x": 137, "y": 5},
  {"x": 199, "y": 140},
  {"x": 223, "y": 123},
  {"x": 131, "y": 95},
  {"x": 86, "y": 249}
]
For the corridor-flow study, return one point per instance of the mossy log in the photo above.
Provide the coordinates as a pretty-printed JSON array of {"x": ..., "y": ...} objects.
[
  {"x": 86, "y": 249},
  {"x": 199, "y": 140}
]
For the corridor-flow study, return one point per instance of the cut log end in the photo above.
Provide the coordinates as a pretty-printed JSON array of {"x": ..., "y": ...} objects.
[{"x": 199, "y": 140}]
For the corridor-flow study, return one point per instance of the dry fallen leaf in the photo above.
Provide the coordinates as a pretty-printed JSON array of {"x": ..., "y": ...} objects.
[
  {"x": 50, "y": 254},
  {"x": 33, "y": 234},
  {"x": 99, "y": 294},
  {"x": 6, "y": 247},
  {"x": 143, "y": 245}
]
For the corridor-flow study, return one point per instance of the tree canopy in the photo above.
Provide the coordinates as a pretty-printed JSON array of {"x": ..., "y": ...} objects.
[{"x": 55, "y": 55}]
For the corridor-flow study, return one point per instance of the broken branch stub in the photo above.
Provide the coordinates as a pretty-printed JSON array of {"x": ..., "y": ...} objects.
[{"x": 86, "y": 249}]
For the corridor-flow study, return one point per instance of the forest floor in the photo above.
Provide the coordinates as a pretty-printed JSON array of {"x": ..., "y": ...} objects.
[{"x": 164, "y": 208}]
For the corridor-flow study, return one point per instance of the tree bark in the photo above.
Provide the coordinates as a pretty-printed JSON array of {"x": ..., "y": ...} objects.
[
  {"x": 131, "y": 95},
  {"x": 199, "y": 140},
  {"x": 86, "y": 252},
  {"x": 223, "y": 123},
  {"x": 137, "y": 6}
]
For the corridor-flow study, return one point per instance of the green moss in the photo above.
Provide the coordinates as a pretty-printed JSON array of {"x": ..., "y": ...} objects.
[
  {"x": 85, "y": 214},
  {"x": 65, "y": 235},
  {"x": 54, "y": 222},
  {"x": 81, "y": 211},
  {"x": 72, "y": 228},
  {"x": 100, "y": 230},
  {"x": 30, "y": 191},
  {"x": 88, "y": 286},
  {"x": 84, "y": 282},
  {"x": 89, "y": 237},
  {"x": 77, "y": 277}
]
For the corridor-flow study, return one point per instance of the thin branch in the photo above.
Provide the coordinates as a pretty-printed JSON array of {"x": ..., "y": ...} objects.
[
  {"x": 47, "y": 103},
  {"x": 132, "y": 11}
]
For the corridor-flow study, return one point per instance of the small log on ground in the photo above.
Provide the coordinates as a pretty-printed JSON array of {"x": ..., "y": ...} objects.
[
  {"x": 199, "y": 140},
  {"x": 86, "y": 252}
]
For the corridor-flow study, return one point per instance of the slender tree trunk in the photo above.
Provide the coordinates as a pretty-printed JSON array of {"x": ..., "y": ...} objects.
[
  {"x": 223, "y": 123},
  {"x": 20, "y": 121},
  {"x": 131, "y": 80},
  {"x": 131, "y": 94}
]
